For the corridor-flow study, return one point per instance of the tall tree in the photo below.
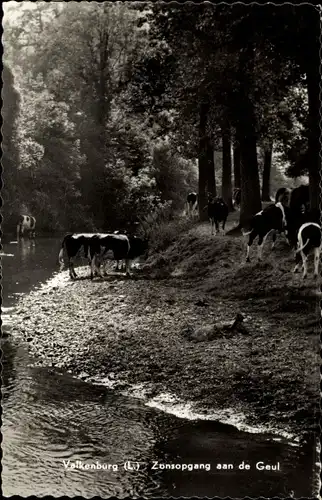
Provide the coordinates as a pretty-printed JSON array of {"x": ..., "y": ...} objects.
[
  {"x": 268, "y": 153},
  {"x": 236, "y": 161},
  {"x": 226, "y": 165}
]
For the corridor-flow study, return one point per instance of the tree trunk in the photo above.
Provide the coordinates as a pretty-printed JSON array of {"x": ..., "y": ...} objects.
[
  {"x": 211, "y": 179},
  {"x": 203, "y": 160},
  {"x": 268, "y": 152},
  {"x": 226, "y": 189},
  {"x": 246, "y": 136},
  {"x": 313, "y": 81},
  {"x": 236, "y": 165}
]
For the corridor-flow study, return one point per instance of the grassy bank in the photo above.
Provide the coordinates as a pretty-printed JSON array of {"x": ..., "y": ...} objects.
[{"x": 166, "y": 329}]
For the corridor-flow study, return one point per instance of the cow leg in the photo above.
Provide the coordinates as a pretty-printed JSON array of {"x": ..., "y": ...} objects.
[
  {"x": 62, "y": 265},
  {"x": 261, "y": 243},
  {"x": 274, "y": 239},
  {"x": 298, "y": 262},
  {"x": 223, "y": 224},
  {"x": 104, "y": 267},
  {"x": 252, "y": 236},
  {"x": 127, "y": 267},
  {"x": 217, "y": 226},
  {"x": 98, "y": 267},
  {"x": 304, "y": 260},
  {"x": 285, "y": 238},
  {"x": 212, "y": 226},
  {"x": 260, "y": 248},
  {"x": 72, "y": 273},
  {"x": 317, "y": 252},
  {"x": 93, "y": 267}
]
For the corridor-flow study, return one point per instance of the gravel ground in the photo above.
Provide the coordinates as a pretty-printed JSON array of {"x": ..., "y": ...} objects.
[{"x": 167, "y": 330}]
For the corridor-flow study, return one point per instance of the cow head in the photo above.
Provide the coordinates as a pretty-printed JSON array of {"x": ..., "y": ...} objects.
[{"x": 283, "y": 196}]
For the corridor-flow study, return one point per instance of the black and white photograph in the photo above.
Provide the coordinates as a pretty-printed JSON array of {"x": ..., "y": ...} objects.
[{"x": 161, "y": 249}]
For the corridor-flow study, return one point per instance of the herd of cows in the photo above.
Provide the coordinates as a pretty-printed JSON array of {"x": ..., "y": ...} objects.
[
  {"x": 290, "y": 215},
  {"x": 99, "y": 247}
]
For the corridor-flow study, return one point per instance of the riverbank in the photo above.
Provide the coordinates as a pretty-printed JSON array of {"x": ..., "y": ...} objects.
[{"x": 150, "y": 335}]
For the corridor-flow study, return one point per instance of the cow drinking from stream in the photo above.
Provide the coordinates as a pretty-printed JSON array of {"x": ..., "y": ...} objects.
[{"x": 26, "y": 224}]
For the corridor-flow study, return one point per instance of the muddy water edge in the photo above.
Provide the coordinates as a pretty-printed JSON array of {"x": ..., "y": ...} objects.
[{"x": 94, "y": 331}]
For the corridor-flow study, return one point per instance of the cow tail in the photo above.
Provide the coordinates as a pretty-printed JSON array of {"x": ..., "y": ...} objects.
[{"x": 302, "y": 247}]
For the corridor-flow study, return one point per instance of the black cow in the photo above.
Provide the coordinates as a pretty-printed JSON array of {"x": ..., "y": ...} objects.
[
  {"x": 121, "y": 246},
  {"x": 192, "y": 201},
  {"x": 236, "y": 198},
  {"x": 300, "y": 199},
  {"x": 299, "y": 212},
  {"x": 26, "y": 223},
  {"x": 72, "y": 244},
  {"x": 102, "y": 247},
  {"x": 309, "y": 238},
  {"x": 217, "y": 212},
  {"x": 271, "y": 218},
  {"x": 138, "y": 247}
]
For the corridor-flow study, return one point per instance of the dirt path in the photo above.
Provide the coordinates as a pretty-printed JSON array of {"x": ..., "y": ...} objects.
[{"x": 165, "y": 331}]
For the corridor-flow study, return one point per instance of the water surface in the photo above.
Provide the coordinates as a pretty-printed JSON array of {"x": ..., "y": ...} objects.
[{"x": 51, "y": 420}]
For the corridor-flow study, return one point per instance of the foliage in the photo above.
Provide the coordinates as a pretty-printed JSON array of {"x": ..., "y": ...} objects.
[{"x": 120, "y": 102}]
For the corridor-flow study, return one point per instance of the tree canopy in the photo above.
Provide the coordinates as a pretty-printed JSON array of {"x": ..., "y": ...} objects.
[{"x": 109, "y": 107}]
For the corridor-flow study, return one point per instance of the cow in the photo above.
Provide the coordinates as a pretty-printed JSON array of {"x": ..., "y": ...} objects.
[
  {"x": 295, "y": 219},
  {"x": 72, "y": 244},
  {"x": 26, "y": 223},
  {"x": 309, "y": 238},
  {"x": 271, "y": 218},
  {"x": 236, "y": 198},
  {"x": 121, "y": 246},
  {"x": 217, "y": 212},
  {"x": 300, "y": 199},
  {"x": 282, "y": 196},
  {"x": 192, "y": 202}
]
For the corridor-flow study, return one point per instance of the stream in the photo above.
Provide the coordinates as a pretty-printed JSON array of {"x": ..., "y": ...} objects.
[{"x": 54, "y": 426}]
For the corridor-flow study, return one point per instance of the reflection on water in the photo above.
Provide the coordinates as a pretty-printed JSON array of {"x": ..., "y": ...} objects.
[
  {"x": 33, "y": 262},
  {"x": 27, "y": 248},
  {"x": 49, "y": 418}
]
